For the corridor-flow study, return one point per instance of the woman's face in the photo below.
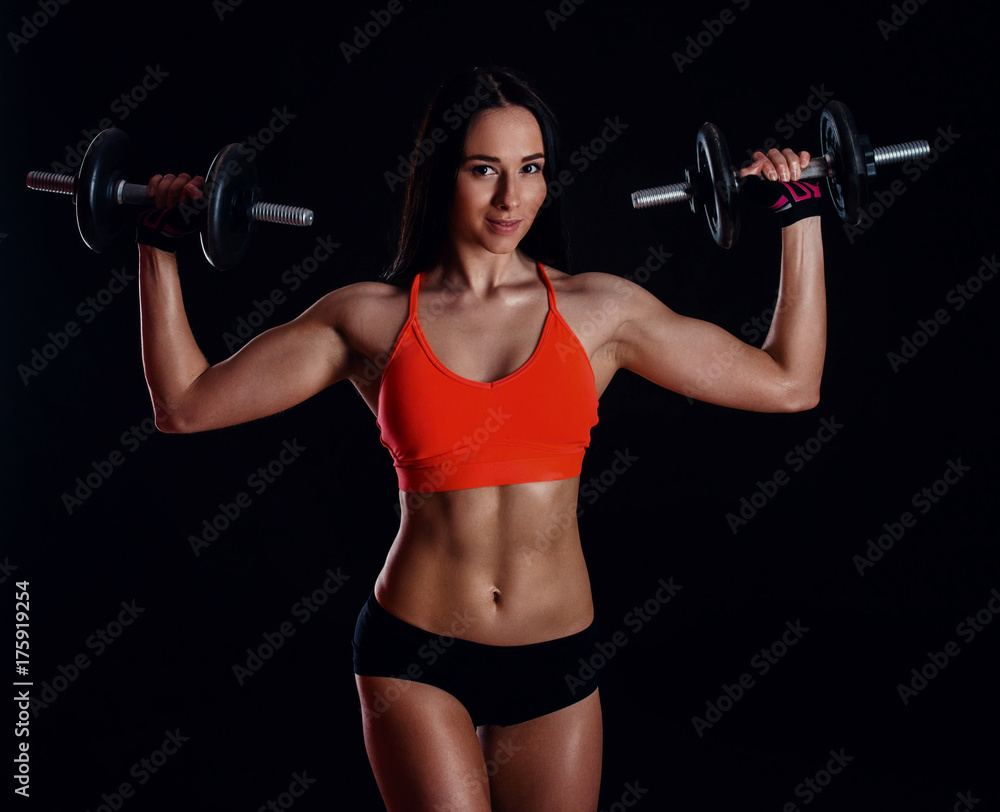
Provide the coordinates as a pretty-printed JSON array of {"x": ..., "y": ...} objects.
[{"x": 500, "y": 185}]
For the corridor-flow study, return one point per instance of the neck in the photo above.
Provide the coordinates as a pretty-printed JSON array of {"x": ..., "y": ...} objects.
[{"x": 479, "y": 271}]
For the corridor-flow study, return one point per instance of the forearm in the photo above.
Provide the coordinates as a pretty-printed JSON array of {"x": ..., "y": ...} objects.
[
  {"x": 796, "y": 339},
  {"x": 170, "y": 355}
]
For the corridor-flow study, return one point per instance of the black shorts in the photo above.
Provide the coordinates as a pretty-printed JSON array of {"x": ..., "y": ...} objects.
[{"x": 498, "y": 685}]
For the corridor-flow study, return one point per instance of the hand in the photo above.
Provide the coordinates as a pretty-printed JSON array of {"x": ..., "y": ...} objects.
[
  {"x": 791, "y": 199},
  {"x": 173, "y": 190},
  {"x": 777, "y": 165},
  {"x": 168, "y": 220}
]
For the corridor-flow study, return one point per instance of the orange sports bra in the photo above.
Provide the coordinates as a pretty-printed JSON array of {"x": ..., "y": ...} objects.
[{"x": 447, "y": 433}]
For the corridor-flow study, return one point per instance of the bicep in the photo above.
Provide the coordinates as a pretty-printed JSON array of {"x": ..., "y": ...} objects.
[
  {"x": 697, "y": 359},
  {"x": 276, "y": 370}
]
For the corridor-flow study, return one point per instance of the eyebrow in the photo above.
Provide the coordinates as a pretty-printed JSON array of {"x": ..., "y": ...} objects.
[{"x": 491, "y": 159}]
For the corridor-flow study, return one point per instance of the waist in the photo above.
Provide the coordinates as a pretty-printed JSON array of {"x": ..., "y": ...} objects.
[{"x": 505, "y": 563}]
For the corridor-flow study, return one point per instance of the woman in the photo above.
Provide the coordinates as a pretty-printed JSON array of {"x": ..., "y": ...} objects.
[{"x": 490, "y": 366}]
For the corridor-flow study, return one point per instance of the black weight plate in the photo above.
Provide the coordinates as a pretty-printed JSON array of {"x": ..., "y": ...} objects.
[
  {"x": 717, "y": 185},
  {"x": 229, "y": 190},
  {"x": 838, "y": 135},
  {"x": 99, "y": 218}
]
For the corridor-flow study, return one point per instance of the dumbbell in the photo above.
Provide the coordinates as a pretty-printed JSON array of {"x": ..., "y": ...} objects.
[
  {"x": 848, "y": 162},
  {"x": 229, "y": 211}
]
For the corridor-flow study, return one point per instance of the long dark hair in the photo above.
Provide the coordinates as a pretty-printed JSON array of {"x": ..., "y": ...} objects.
[{"x": 435, "y": 162}]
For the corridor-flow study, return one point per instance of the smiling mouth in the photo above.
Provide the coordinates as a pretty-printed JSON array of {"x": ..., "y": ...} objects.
[{"x": 504, "y": 225}]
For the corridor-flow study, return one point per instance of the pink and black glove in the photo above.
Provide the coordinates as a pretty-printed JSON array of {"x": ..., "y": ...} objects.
[
  {"x": 791, "y": 200},
  {"x": 165, "y": 228}
]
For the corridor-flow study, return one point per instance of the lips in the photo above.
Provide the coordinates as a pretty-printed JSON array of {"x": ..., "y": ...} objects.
[{"x": 504, "y": 226}]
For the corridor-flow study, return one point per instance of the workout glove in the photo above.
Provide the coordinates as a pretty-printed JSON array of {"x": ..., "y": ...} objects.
[
  {"x": 790, "y": 200},
  {"x": 164, "y": 228}
]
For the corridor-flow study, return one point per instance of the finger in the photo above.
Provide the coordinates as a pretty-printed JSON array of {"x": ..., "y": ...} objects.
[
  {"x": 754, "y": 168},
  {"x": 794, "y": 165},
  {"x": 162, "y": 190},
  {"x": 151, "y": 186},
  {"x": 767, "y": 169},
  {"x": 193, "y": 190},
  {"x": 780, "y": 163},
  {"x": 176, "y": 188}
]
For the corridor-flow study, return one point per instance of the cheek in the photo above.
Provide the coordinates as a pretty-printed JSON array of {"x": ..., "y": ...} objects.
[
  {"x": 542, "y": 190},
  {"x": 469, "y": 196},
  {"x": 536, "y": 192}
]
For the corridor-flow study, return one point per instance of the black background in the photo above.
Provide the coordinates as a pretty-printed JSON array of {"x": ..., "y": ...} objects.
[{"x": 223, "y": 71}]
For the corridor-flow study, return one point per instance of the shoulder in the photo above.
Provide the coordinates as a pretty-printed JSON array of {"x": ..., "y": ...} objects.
[
  {"x": 367, "y": 316},
  {"x": 361, "y": 300},
  {"x": 603, "y": 292},
  {"x": 367, "y": 293}
]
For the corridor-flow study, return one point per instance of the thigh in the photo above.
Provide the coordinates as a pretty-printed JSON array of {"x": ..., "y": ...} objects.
[
  {"x": 422, "y": 747},
  {"x": 547, "y": 764}
]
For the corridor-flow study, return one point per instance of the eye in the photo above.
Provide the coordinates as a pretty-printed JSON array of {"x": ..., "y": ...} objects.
[
  {"x": 482, "y": 170},
  {"x": 532, "y": 169}
]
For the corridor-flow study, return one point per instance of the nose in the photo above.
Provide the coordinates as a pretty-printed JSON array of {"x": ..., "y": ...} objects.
[{"x": 507, "y": 196}]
